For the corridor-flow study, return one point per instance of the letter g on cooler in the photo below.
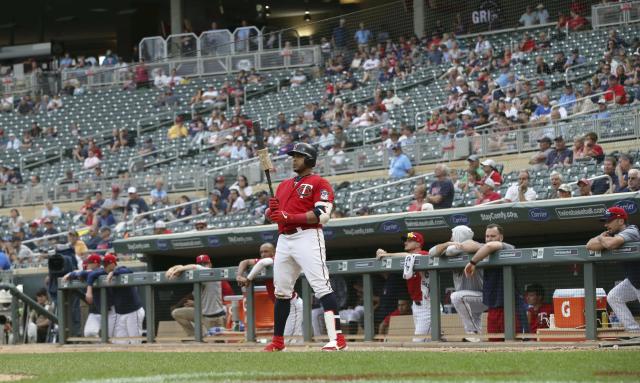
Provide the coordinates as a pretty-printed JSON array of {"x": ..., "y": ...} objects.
[{"x": 566, "y": 309}]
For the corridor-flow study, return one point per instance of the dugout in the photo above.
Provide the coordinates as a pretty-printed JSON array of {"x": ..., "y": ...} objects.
[{"x": 530, "y": 224}]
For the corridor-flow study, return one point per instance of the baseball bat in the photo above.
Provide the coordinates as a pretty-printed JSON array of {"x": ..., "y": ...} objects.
[{"x": 263, "y": 154}]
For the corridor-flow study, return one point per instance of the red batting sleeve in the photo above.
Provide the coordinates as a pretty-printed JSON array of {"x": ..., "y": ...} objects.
[{"x": 226, "y": 288}]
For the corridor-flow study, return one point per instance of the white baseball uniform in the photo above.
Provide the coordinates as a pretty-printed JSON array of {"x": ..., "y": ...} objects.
[
  {"x": 418, "y": 287},
  {"x": 128, "y": 325},
  {"x": 627, "y": 290},
  {"x": 92, "y": 325}
]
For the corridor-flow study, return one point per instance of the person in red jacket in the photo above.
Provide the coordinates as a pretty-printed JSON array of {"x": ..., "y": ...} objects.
[
  {"x": 615, "y": 93},
  {"x": 487, "y": 192},
  {"x": 576, "y": 22}
]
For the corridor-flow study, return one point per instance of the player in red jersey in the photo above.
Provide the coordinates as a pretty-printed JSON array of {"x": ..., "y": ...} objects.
[
  {"x": 301, "y": 206},
  {"x": 293, "y": 327}
]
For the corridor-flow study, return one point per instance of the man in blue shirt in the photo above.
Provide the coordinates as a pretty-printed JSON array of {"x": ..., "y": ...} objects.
[
  {"x": 400, "y": 165},
  {"x": 441, "y": 190},
  {"x": 340, "y": 36},
  {"x": 560, "y": 156},
  {"x": 568, "y": 98},
  {"x": 5, "y": 263},
  {"x": 363, "y": 36}
]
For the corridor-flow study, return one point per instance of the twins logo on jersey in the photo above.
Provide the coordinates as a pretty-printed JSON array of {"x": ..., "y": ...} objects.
[
  {"x": 304, "y": 190},
  {"x": 324, "y": 195}
]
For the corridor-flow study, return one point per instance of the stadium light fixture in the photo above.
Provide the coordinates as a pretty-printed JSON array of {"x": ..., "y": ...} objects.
[
  {"x": 267, "y": 10},
  {"x": 307, "y": 16}
]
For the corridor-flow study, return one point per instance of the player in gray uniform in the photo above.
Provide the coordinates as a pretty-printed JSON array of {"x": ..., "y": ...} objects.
[
  {"x": 467, "y": 299},
  {"x": 617, "y": 234}
]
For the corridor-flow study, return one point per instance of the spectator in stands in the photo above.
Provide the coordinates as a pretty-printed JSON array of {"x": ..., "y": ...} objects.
[
  {"x": 568, "y": 98},
  {"x": 539, "y": 159},
  {"x": 79, "y": 247},
  {"x": 538, "y": 312},
  {"x": 5, "y": 262},
  {"x": 528, "y": 44},
  {"x": 363, "y": 37},
  {"x": 487, "y": 193},
  {"x": 298, "y": 78},
  {"x": 419, "y": 195},
  {"x": 564, "y": 191},
  {"x": 633, "y": 182},
  {"x": 483, "y": 46},
  {"x": 543, "y": 110},
  {"x": 91, "y": 161},
  {"x": 592, "y": 149},
  {"x": 49, "y": 228},
  {"x": 115, "y": 202},
  {"x": 41, "y": 323},
  {"x": 221, "y": 187},
  {"x": 216, "y": 205},
  {"x": 141, "y": 77},
  {"x": 13, "y": 143},
  {"x": 200, "y": 225},
  {"x": 242, "y": 185},
  {"x": 555, "y": 179},
  {"x": 622, "y": 171},
  {"x": 440, "y": 193},
  {"x": 50, "y": 211},
  {"x": 160, "y": 228},
  {"x": 576, "y": 22},
  {"x": 492, "y": 288},
  {"x": 543, "y": 14},
  {"x": 559, "y": 61},
  {"x": 541, "y": 66},
  {"x": 392, "y": 100},
  {"x": 404, "y": 308},
  {"x": 16, "y": 221},
  {"x": 98, "y": 201},
  {"x": 178, "y": 130},
  {"x": 135, "y": 205},
  {"x": 25, "y": 107},
  {"x": 575, "y": 59},
  {"x": 34, "y": 232},
  {"x": 559, "y": 156},
  {"x": 618, "y": 232},
  {"x": 602, "y": 112},
  {"x": 400, "y": 165},
  {"x": 584, "y": 186},
  {"x": 105, "y": 218},
  {"x": 606, "y": 185},
  {"x": 235, "y": 203},
  {"x": 490, "y": 170},
  {"x": 339, "y": 36},
  {"x": 19, "y": 253},
  {"x": 616, "y": 93},
  {"x": 159, "y": 196},
  {"x": 529, "y": 17},
  {"x": 587, "y": 104},
  {"x": 183, "y": 211},
  {"x": 104, "y": 241},
  {"x": 521, "y": 191}
]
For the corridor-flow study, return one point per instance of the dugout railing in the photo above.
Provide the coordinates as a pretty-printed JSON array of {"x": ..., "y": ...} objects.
[{"x": 435, "y": 266}]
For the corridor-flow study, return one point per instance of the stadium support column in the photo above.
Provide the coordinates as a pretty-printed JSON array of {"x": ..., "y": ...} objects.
[
  {"x": 418, "y": 17},
  {"x": 367, "y": 287},
  {"x": 590, "y": 301},
  {"x": 176, "y": 16}
]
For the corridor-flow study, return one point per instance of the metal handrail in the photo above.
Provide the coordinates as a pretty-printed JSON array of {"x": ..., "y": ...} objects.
[
  {"x": 408, "y": 196},
  {"x": 152, "y": 212},
  {"x": 372, "y": 127},
  {"x": 578, "y": 100},
  {"x": 196, "y": 216},
  {"x": 573, "y": 67},
  {"x": 365, "y": 190},
  {"x": 426, "y": 112}
]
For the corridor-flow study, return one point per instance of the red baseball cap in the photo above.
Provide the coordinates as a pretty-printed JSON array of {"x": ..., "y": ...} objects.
[
  {"x": 614, "y": 212},
  {"x": 203, "y": 258},
  {"x": 84, "y": 264},
  {"x": 109, "y": 259},
  {"x": 94, "y": 258},
  {"x": 584, "y": 181},
  {"x": 540, "y": 82},
  {"x": 414, "y": 236},
  {"x": 115, "y": 188}
]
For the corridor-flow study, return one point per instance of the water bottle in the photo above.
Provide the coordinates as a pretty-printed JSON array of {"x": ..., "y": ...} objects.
[
  {"x": 213, "y": 331},
  {"x": 552, "y": 321}
]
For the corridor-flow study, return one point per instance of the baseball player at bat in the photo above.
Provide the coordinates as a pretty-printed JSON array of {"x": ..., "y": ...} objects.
[
  {"x": 92, "y": 325},
  {"x": 617, "y": 234},
  {"x": 301, "y": 206},
  {"x": 417, "y": 283},
  {"x": 293, "y": 327}
]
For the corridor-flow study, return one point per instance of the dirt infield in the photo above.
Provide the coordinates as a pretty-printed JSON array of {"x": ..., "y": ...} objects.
[
  {"x": 13, "y": 377},
  {"x": 243, "y": 347}
]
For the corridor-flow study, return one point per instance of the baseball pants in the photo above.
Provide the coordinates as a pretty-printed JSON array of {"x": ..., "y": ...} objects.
[
  {"x": 303, "y": 251},
  {"x": 469, "y": 306},
  {"x": 92, "y": 325},
  {"x": 421, "y": 320},
  {"x": 129, "y": 325},
  {"x": 185, "y": 316},
  {"x": 618, "y": 297},
  {"x": 293, "y": 327}
]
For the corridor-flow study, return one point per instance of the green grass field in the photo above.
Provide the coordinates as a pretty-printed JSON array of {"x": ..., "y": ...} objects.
[{"x": 365, "y": 366}]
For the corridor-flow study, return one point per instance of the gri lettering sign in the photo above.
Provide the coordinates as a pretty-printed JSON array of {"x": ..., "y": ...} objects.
[{"x": 487, "y": 14}]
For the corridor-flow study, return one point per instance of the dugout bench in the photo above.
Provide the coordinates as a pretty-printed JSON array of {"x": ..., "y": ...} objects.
[{"x": 435, "y": 266}]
